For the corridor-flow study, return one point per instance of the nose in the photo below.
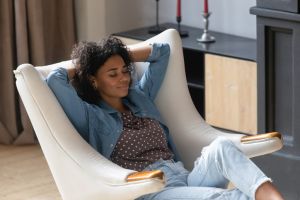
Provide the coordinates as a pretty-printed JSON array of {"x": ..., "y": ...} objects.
[{"x": 125, "y": 78}]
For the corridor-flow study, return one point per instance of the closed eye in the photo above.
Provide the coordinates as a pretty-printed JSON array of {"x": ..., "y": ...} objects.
[{"x": 114, "y": 71}]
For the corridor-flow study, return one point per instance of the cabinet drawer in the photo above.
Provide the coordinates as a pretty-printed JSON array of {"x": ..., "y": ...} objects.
[{"x": 231, "y": 93}]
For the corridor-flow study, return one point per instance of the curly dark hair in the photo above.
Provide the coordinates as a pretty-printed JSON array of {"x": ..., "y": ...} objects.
[{"x": 88, "y": 57}]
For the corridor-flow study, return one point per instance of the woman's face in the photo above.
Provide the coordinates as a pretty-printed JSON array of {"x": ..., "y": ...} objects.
[{"x": 112, "y": 79}]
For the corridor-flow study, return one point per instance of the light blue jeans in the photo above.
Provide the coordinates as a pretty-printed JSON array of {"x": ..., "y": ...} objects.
[{"x": 219, "y": 163}]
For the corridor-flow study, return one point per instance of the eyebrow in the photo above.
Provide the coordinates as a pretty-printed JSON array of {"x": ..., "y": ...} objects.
[{"x": 113, "y": 69}]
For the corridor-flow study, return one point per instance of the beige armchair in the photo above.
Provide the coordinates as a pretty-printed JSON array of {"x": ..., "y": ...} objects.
[{"x": 82, "y": 173}]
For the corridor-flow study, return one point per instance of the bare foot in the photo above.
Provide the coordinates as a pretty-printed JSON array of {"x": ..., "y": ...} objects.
[{"x": 267, "y": 191}]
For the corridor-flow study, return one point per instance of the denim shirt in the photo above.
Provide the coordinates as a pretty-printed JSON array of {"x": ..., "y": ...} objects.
[{"x": 101, "y": 125}]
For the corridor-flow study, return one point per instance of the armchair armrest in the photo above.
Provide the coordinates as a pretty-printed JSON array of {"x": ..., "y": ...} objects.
[
  {"x": 260, "y": 144},
  {"x": 256, "y": 138},
  {"x": 137, "y": 176}
]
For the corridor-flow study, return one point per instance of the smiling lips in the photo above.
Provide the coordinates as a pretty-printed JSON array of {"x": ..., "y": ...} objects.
[{"x": 123, "y": 87}]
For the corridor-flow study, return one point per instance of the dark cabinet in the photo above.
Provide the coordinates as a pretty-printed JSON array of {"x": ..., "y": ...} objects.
[
  {"x": 278, "y": 60},
  {"x": 283, "y": 5},
  {"x": 194, "y": 68},
  {"x": 278, "y": 76}
]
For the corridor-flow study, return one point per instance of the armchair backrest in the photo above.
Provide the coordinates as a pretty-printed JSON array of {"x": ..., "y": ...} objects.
[{"x": 78, "y": 170}]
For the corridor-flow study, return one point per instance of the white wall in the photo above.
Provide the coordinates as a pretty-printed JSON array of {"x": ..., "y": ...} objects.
[
  {"x": 98, "y": 18},
  {"x": 90, "y": 16}
]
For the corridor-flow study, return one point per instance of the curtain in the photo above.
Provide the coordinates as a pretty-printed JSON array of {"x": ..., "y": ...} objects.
[{"x": 39, "y": 32}]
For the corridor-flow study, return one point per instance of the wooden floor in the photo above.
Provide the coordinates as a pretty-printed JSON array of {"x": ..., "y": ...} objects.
[{"x": 24, "y": 174}]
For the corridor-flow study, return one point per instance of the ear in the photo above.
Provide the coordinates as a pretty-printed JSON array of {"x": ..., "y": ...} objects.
[{"x": 93, "y": 82}]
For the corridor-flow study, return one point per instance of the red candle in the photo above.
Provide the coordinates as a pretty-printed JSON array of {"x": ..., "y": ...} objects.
[
  {"x": 205, "y": 6},
  {"x": 178, "y": 8}
]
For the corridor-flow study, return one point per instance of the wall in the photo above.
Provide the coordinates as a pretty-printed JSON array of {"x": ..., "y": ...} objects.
[
  {"x": 90, "y": 16},
  {"x": 98, "y": 18}
]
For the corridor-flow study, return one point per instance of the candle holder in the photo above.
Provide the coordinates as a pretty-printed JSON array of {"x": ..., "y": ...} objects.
[
  {"x": 157, "y": 28},
  {"x": 206, "y": 37},
  {"x": 181, "y": 32}
]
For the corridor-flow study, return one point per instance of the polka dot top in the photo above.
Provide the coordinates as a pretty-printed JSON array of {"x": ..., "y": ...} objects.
[{"x": 141, "y": 143}]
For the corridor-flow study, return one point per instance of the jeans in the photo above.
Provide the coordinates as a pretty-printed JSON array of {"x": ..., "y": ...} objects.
[{"x": 219, "y": 163}]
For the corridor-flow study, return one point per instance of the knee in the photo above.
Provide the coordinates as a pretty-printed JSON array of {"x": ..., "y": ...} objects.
[
  {"x": 221, "y": 142},
  {"x": 221, "y": 145}
]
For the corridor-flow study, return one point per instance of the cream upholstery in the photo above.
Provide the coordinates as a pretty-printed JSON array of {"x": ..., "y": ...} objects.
[{"x": 82, "y": 173}]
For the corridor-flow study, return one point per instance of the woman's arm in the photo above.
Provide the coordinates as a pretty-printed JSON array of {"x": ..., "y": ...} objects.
[
  {"x": 74, "y": 107},
  {"x": 158, "y": 57},
  {"x": 139, "y": 53}
]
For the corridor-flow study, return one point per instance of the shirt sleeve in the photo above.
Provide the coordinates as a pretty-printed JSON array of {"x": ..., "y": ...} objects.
[
  {"x": 74, "y": 107},
  {"x": 153, "y": 77}
]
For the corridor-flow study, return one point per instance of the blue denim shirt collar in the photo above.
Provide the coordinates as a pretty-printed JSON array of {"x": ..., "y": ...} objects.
[{"x": 134, "y": 109}]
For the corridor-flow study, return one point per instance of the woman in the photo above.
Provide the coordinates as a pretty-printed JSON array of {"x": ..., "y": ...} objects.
[{"x": 117, "y": 116}]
